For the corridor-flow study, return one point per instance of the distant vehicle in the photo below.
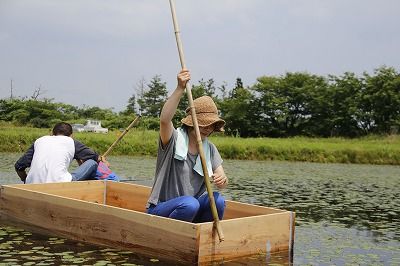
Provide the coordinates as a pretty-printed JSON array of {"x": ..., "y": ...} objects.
[
  {"x": 78, "y": 128},
  {"x": 94, "y": 126}
]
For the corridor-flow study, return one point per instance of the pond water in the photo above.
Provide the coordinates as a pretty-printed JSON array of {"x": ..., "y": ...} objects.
[{"x": 345, "y": 214}]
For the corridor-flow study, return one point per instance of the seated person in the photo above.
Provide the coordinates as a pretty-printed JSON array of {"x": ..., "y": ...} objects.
[
  {"x": 49, "y": 158},
  {"x": 179, "y": 190}
]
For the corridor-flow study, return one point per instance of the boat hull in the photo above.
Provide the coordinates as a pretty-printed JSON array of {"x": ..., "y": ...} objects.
[{"x": 113, "y": 214}]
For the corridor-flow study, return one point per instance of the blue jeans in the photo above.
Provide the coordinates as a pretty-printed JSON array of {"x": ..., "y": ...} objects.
[
  {"x": 86, "y": 171},
  {"x": 190, "y": 209}
]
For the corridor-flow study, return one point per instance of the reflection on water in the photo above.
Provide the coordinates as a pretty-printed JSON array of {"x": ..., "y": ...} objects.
[
  {"x": 345, "y": 214},
  {"x": 20, "y": 247}
]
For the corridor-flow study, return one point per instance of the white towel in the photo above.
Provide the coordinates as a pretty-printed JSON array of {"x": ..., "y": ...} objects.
[{"x": 182, "y": 147}]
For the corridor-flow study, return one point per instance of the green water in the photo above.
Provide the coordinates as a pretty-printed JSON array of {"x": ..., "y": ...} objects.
[{"x": 345, "y": 214}]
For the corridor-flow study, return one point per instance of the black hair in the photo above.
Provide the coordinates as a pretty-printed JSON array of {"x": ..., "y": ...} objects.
[
  {"x": 185, "y": 127},
  {"x": 62, "y": 128}
]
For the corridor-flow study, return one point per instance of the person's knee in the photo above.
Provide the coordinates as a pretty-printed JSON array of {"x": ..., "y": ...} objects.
[
  {"x": 187, "y": 209},
  {"x": 190, "y": 204},
  {"x": 91, "y": 164},
  {"x": 86, "y": 171}
]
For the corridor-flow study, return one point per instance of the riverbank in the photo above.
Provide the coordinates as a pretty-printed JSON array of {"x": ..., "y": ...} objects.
[{"x": 368, "y": 150}]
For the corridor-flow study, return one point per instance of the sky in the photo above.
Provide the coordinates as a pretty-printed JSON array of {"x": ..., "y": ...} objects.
[{"x": 96, "y": 52}]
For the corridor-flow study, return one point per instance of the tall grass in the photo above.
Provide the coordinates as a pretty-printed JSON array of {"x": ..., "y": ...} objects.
[
  {"x": 367, "y": 150},
  {"x": 136, "y": 142}
]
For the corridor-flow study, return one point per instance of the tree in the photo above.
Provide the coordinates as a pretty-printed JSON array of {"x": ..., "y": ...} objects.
[
  {"x": 37, "y": 92},
  {"x": 140, "y": 90},
  {"x": 270, "y": 106},
  {"x": 39, "y": 113},
  {"x": 224, "y": 90},
  {"x": 380, "y": 100},
  {"x": 131, "y": 107},
  {"x": 238, "y": 112},
  {"x": 344, "y": 108},
  {"x": 285, "y": 105},
  {"x": 238, "y": 85},
  {"x": 153, "y": 99}
]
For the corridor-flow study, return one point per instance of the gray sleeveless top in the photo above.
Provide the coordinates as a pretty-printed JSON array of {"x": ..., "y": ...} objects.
[{"x": 175, "y": 178}]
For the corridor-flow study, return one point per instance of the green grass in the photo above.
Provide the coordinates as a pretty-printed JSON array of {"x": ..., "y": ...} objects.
[{"x": 367, "y": 150}]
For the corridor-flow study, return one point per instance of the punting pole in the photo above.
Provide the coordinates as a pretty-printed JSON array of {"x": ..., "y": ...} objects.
[
  {"x": 196, "y": 127},
  {"x": 133, "y": 123}
]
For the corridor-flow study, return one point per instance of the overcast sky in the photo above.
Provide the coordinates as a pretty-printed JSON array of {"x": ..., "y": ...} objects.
[{"x": 94, "y": 53}]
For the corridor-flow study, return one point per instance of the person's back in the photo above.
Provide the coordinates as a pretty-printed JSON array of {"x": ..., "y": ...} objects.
[{"x": 51, "y": 159}]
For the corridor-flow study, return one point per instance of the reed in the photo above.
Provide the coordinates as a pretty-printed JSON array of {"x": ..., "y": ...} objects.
[{"x": 367, "y": 150}]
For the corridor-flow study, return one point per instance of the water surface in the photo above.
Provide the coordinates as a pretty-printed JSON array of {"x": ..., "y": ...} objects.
[{"x": 345, "y": 214}]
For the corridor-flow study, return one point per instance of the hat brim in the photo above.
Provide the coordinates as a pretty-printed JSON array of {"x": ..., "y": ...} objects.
[{"x": 205, "y": 120}]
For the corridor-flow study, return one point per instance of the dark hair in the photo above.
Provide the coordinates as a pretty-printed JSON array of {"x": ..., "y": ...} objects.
[{"x": 62, "y": 128}]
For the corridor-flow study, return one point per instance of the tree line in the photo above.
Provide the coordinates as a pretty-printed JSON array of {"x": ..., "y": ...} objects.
[{"x": 293, "y": 104}]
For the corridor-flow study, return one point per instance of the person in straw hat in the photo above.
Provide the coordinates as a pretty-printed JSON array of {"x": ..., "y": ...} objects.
[{"x": 179, "y": 190}]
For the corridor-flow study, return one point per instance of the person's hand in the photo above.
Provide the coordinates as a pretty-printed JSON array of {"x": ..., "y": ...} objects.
[
  {"x": 220, "y": 179},
  {"x": 22, "y": 175},
  {"x": 103, "y": 159},
  {"x": 183, "y": 77}
]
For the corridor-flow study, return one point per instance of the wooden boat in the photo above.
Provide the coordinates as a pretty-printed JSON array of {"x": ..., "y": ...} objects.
[{"x": 113, "y": 214}]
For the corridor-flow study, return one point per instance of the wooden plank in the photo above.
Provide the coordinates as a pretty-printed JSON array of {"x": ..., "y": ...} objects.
[
  {"x": 246, "y": 236},
  {"x": 83, "y": 190},
  {"x": 128, "y": 196},
  {"x": 236, "y": 209},
  {"x": 248, "y": 229},
  {"x": 291, "y": 238},
  {"x": 100, "y": 224},
  {"x": 134, "y": 197}
]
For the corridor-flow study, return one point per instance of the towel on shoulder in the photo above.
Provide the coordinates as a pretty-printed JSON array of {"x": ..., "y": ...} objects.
[{"x": 182, "y": 147}]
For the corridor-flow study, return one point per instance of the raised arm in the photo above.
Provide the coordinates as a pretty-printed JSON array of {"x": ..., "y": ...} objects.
[{"x": 169, "y": 108}]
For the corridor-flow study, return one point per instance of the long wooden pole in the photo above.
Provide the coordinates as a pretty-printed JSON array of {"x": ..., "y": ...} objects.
[
  {"x": 133, "y": 123},
  {"x": 196, "y": 127}
]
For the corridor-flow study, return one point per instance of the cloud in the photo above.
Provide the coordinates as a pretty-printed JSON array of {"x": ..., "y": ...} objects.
[{"x": 83, "y": 52}]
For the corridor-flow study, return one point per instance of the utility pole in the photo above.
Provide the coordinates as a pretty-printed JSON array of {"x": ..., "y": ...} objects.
[{"x": 11, "y": 88}]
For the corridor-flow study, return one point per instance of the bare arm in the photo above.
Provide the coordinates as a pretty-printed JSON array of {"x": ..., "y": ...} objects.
[
  {"x": 219, "y": 177},
  {"x": 169, "y": 108}
]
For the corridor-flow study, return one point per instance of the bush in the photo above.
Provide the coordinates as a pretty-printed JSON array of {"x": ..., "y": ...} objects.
[{"x": 40, "y": 123}]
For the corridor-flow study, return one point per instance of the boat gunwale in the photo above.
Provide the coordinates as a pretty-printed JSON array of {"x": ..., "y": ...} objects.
[
  {"x": 105, "y": 182},
  {"x": 90, "y": 202}
]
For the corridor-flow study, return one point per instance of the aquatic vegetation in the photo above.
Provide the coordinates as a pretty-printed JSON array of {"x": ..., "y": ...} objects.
[{"x": 345, "y": 213}]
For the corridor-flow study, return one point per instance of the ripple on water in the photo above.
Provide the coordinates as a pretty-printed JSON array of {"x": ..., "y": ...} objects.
[{"x": 345, "y": 214}]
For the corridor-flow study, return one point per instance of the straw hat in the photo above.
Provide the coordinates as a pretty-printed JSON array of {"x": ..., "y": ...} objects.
[{"x": 206, "y": 113}]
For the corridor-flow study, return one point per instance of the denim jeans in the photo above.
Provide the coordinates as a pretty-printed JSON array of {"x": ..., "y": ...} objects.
[
  {"x": 190, "y": 209},
  {"x": 86, "y": 171}
]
